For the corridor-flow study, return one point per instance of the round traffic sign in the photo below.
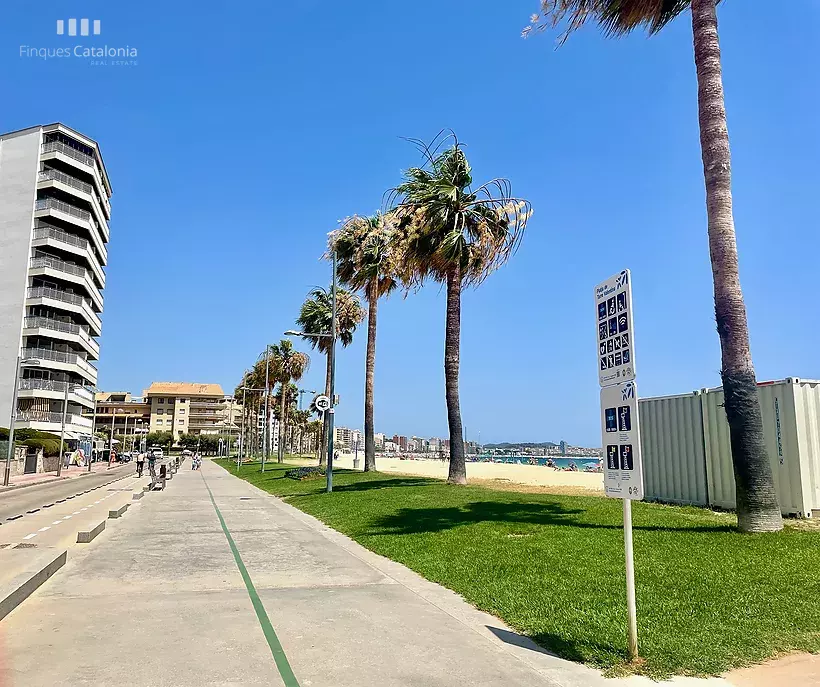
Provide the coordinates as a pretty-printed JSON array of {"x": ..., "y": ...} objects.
[{"x": 322, "y": 403}]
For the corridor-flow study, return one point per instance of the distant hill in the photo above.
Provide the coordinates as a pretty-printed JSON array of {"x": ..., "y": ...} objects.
[{"x": 524, "y": 444}]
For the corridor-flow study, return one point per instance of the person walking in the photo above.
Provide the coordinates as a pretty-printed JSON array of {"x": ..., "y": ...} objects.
[{"x": 140, "y": 463}]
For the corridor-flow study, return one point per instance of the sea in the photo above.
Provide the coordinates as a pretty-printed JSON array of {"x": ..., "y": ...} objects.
[{"x": 560, "y": 461}]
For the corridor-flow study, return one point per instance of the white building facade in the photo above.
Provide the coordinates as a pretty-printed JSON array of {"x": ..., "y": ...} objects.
[{"x": 54, "y": 233}]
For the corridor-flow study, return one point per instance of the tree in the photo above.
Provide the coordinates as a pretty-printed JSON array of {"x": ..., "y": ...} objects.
[
  {"x": 315, "y": 317},
  {"x": 367, "y": 262},
  {"x": 160, "y": 439},
  {"x": 757, "y": 506},
  {"x": 287, "y": 365},
  {"x": 457, "y": 235}
]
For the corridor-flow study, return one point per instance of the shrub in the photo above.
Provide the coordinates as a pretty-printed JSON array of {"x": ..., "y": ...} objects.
[
  {"x": 307, "y": 472},
  {"x": 50, "y": 446}
]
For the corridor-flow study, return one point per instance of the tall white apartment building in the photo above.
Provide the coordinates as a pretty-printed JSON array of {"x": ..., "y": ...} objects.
[{"x": 54, "y": 214}]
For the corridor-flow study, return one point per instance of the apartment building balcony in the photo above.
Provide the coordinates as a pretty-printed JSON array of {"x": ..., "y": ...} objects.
[
  {"x": 56, "y": 150},
  {"x": 46, "y": 421},
  {"x": 214, "y": 405},
  {"x": 46, "y": 236},
  {"x": 58, "y": 209},
  {"x": 48, "y": 266},
  {"x": 54, "y": 178},
  {"x": 64, "y": 361},
  {"x": 63, "y": 300},
  {"x": 64, "y": 331},
  {"x": 54, "y": 389}
]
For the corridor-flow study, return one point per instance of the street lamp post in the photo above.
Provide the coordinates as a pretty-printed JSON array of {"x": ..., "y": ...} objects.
[
  {"x": 111, "y": 436},
  {"x": 266, "y": 427},
  {"x": 62, "y": 428},
  {"x": 332, "y": 411},
  {"x": 302, "y": 392},
  {"x": 20, "y": 364},
  {"x": 93, "y": 437},
  {"x": 332, "y": 355},
  {"x": 240, "y": 456}
]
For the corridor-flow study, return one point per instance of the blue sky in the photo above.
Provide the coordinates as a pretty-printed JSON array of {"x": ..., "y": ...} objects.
[{"x": 246, "y": 130}]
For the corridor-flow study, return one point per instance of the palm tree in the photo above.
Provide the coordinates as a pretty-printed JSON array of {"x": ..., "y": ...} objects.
[
  {"x": 452, "y": 233},
  {"x": 316, "y": 317},
  {"x": 287, "y": 364},
  {"x": 757, "y": 506},
  {"x": 367, "y": 262}
]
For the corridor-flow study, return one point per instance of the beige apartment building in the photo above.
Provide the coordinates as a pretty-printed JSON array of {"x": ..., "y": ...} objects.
[{"x": 188, "y": 408}]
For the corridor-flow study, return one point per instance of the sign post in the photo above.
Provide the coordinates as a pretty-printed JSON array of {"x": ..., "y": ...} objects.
[{"x": 620, "y": 430}]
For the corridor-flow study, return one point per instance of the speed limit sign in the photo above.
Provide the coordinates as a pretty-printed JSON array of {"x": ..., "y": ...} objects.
[{"x": 322, "y": 403}]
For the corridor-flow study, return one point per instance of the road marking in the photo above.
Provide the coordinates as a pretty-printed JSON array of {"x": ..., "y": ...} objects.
[
  {"x": 86, "y": 508},
  {"x": 76, "y": 512},
  {"x": 43, "y": 529},
  {"x": 57, "y": 522},
  {"x": 67, "y": 517},
  {"x": 279, "y": 657},
  {"x": 29, "y": 536}
]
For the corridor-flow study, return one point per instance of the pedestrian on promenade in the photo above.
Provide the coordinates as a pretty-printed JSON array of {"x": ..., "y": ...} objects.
[
  {"x": 162, "y": 474},
  {"x": 140, "y": 463}
]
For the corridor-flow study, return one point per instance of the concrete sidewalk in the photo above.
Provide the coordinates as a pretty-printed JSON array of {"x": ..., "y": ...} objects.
[{"x": 160, "y": 600}]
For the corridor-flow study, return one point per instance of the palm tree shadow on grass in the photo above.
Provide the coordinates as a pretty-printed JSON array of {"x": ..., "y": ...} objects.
[
  {"x": 420, "y": 520},
  {"x": 386, "y": 484}
]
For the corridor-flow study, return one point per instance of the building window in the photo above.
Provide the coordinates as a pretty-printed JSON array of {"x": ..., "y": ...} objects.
[
  {"x": 159, "y": 422},
  {"x": 182, "y": 411},
  {"x": 180, "y": 422},
  {"x": 160, "y": 411},
  {"x": 160, "y": 400},
  {"x": 182, "y": 400}
]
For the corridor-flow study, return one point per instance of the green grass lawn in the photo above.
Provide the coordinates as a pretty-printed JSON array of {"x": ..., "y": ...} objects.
[{"x": 552, "y": 567}]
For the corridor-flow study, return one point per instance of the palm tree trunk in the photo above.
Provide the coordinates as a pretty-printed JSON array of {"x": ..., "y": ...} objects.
[
  {"x": 282, "y": 424},
  {"x": 452, "y": 342},
  {"x": 323, "y": 445},
  {"x": 757, "y": 507},
  {"x": 369, "y": 371}
]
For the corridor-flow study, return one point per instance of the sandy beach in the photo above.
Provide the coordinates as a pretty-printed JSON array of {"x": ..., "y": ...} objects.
[{"x": 530, "y": 475}]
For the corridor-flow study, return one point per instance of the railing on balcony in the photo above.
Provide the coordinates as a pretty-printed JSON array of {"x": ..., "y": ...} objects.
[
  {"x": 59, "y": 265},
  {"x": 87, "y": 160},
  {"x": 57, "y": 418},
  {"x": 62, "y": 177},
  {"x": 54, "y": 325},
  {"x": 35, "y": 384},
  {"x": 54, "y": 204},
  {"x": 45, "y": 232},
  {"x": 57, "y": 295},
  {"x": 48, "y": 354},
  {"x": 58, "y": 147}
]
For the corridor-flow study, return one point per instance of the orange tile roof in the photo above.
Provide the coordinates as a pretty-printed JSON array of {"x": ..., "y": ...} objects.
[{"x": 184, "y": 389}]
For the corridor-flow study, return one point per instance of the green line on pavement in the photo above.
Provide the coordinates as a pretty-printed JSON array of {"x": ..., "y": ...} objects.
[{"x": 270, "y": 634}]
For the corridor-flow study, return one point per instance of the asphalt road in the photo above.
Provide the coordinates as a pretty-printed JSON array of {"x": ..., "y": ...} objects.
[{"x": 20, "y": 501}]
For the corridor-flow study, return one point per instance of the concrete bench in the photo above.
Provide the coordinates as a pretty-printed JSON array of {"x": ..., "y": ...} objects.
[
  {"x": 137, "y": 495},
  {"x": 119, "y": 511},
  {"x": 90, "y": 532}
]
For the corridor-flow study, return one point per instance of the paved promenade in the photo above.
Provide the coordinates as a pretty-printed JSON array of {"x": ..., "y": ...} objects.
[{"x": 213, "y": 582}]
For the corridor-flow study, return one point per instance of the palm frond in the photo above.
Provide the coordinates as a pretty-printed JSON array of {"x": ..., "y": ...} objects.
[{"x": 614, "y": 17}]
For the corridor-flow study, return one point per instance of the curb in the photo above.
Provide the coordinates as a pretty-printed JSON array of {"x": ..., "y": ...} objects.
[
  {"x": 85, "y": 536},
  {"x": 23, "y": 585}
]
